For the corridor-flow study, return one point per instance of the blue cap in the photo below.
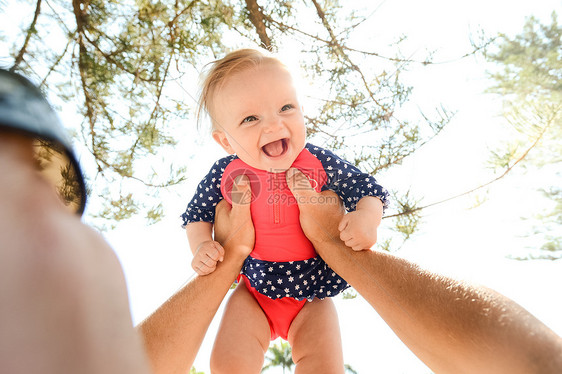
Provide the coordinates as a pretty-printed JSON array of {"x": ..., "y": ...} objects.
[{"x": 24, "y": 109}]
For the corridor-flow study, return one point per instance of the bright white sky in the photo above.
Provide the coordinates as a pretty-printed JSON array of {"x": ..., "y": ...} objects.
[{"x": 466, "y": 243}]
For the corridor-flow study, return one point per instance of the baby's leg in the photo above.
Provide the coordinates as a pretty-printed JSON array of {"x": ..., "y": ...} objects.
[
  {"x": 243, "y": 336},
  {"x": 316, "y": 340}
]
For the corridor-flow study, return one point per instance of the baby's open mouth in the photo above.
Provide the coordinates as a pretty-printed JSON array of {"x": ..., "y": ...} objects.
[{"x": 276, "y": 148}]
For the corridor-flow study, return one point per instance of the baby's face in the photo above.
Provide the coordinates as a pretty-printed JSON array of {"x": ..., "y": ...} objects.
[{"x": 259, "y": 118}]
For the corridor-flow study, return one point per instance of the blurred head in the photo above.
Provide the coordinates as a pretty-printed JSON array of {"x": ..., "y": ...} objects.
[{"x": 24, "y": 110}]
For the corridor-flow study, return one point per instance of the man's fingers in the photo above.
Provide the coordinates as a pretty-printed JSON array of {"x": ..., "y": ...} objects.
[
  {"x": 299, "y": 185},
  {"x": 223, "y": 207}
]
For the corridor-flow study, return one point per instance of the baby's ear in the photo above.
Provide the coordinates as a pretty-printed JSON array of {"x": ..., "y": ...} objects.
[{"x": 220, "y": 137}]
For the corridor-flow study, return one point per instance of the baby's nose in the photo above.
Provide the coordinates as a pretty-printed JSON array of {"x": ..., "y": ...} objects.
[{"x": 272, "y": 124}]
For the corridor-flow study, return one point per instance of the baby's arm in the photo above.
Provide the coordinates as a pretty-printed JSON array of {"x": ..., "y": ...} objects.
[
  {"x": 358, "y": 229},
  {"x": 206, "y": 251}
]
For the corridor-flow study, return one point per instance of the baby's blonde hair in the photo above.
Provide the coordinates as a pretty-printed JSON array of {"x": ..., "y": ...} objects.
[{"x": 220, "y": 70}]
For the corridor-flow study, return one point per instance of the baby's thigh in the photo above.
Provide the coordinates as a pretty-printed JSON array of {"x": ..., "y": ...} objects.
[
  {"x": 243, "y": 336},
  {"x": 315, "y": 338}
]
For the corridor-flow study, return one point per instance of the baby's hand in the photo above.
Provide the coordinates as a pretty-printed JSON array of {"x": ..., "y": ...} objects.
[
  {"x": 357, "y": 230},
  {"x": 206, "y": 257}
]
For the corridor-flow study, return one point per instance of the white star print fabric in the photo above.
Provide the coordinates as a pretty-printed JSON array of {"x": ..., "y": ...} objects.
[
  {"x": 301, "y": 280},
  {"x": 208, "y": 195},
  {"x": 345, "y": 179},
  {"x": 305, "y": 279}
]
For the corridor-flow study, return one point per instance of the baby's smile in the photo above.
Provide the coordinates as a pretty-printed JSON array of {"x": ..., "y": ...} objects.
[{"x": 276, "y": 148}]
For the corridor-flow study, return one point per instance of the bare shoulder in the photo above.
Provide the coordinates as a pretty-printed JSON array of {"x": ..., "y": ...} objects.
[{"x": 66, "y": 298}]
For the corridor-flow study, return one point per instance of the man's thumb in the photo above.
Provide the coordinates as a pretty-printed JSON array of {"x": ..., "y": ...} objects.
[
  {"x": 241, "y": 191},
  {"x": 299, "y": 184}
]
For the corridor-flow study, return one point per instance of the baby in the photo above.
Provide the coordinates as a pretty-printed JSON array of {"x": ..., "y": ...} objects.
[{"x": 285, "y": 286}]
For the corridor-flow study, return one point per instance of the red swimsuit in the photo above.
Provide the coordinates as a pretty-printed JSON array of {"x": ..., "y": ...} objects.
[
  {"x": 279, "y": 236},
  {"x": 284, "y": 270}
]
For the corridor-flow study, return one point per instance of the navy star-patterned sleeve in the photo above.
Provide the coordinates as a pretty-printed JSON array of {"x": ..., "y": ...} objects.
[
  {"x": 345, "y": 179},
  {"x": 207, "y": 196}
]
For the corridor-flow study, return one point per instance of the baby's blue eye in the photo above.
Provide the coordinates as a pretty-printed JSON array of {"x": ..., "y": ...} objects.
[
  {"x": 249, "y": 119},
  {"x": 287, "y": 107}
]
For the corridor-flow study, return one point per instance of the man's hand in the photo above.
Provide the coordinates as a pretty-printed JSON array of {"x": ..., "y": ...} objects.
[
  {"x": 320, "y": 213},
  {"x": 234, "y": 228}
]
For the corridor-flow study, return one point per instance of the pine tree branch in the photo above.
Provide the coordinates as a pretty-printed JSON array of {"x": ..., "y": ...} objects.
[
  {"x": 257, "y": 17},
  {"x": 59, "y": 59},
  {"x": 399, "y": 158},
  {"x": 507, "y": 171},
  {"x": 173, "y": 22},
  {"x": 30, "y": 31},
  {"x": 156, "y": 104},
  {"x": 168, "y": 183},
  {"x": 322, "y": 16},
  {"x": 340, "y": 51},
  {"x": 113, "y": 61},
  {"x": 58, "y": 17},
  {"x": 282, "y": 26},
  {"x": 80, "y": 15}
]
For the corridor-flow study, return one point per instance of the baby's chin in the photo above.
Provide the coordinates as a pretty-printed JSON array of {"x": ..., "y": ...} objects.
[
  {"x": 277, "y": 167},
  {"x": 271, "y": 166}
]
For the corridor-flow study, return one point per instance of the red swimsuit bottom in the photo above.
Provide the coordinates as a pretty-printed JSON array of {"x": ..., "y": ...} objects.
[
  {"x": 283, "y": 270},
  {"x": 280, "y": 313}
]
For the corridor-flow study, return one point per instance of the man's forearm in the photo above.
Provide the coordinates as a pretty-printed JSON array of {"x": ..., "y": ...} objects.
[
  {"x": 451, "y": 326},
  {"x": 174, "y": 332}
]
